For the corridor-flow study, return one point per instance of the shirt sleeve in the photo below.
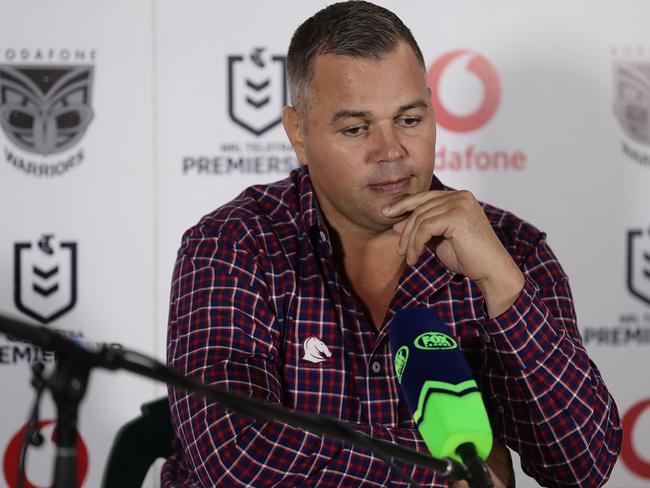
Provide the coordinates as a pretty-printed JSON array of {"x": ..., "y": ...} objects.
[
  {"x": 223, "y": 331},
  {"x": 555, "y": 409}
]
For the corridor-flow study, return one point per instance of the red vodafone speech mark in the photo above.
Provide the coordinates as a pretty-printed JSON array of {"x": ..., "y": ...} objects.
[
  {"x": 629, "y": 456},
  {"x": 480, "y": 67},
  {"x": 12, "y": 457}
]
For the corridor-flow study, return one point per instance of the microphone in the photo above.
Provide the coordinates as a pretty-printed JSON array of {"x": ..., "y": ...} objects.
[{"x": 440, "y": 390}]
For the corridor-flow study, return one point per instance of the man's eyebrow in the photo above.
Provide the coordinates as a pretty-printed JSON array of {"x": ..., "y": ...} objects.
[
  {"x": 343, "y": 114},
  {"x": 416, "y": 104}
]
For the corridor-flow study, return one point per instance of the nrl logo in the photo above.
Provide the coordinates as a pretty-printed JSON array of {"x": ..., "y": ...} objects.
[
  {"x": 257, "y": 90},
  {"x": 432, "y": 341},
  {"x": 45, "y": 109},
  {"x": 45, "y": 278},
  {"x": 632, "y": 104},
  {"x": 638, "y": 264}
]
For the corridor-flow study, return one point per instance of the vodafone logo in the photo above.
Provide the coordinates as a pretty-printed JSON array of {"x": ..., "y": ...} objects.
[
  {"x": 473, "y": 65},
  {"x": 629, "y": 454},
  {"x": 12, "y": 456},
  {"x": 465, "y": 94}
]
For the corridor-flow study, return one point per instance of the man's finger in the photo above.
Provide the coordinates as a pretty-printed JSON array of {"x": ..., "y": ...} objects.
[
  {"x": 428, "y": 227},
  {"x": 399, "y": 226},
  {"x": 411, "y": 220},
  {"x": 429, "y": 210}
]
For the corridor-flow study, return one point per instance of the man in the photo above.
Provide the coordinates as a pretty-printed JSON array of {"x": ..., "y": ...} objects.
[{"x": 287, "y": 293}]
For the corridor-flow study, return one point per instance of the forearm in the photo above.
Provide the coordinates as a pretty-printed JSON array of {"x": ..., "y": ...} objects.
[
  {"x": 557, "y": 412},
  {"x": 234, "y": 451}
]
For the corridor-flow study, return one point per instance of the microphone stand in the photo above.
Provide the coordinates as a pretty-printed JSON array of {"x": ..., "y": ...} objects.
[
  {"x": 69, "y": 380},
  {"x": 68, "y": 385}
]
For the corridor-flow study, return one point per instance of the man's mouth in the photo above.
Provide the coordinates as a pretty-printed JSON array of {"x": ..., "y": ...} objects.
[{"x": 391, "y": 186}]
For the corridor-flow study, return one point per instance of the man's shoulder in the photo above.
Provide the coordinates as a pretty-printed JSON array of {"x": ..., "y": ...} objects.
[
  {"x": 518, "y": 236},
  {"x": 260, "y": 211}
]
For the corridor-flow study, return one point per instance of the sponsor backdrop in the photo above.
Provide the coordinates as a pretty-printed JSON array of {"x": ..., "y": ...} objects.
[{"x": 123, "y": 122}]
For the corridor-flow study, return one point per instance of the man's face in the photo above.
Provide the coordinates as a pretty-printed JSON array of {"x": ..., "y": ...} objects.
[{"x": 368, "y": 137}]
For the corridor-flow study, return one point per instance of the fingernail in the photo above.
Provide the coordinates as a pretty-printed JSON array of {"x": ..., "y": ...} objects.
[{"x": 385, "y": 209}]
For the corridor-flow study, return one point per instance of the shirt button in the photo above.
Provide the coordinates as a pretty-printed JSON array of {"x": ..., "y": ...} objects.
[
  {"x": 376, "y": 367},
  {"x": 322, "y": 236}
]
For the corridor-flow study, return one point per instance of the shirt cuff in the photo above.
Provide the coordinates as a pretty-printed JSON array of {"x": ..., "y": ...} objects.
[{"x": 524, "y": 335}]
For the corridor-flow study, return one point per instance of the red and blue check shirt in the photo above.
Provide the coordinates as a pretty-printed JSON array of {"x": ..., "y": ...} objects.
[{"x": 257, "y": 278}]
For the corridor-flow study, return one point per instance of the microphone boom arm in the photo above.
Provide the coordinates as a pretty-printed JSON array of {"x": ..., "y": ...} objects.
[{"x": 113, "y": 358}]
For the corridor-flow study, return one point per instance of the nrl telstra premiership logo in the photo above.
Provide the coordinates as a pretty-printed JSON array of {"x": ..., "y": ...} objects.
[
  {"x": 45, "y": 278},
  {"x": 257, "y": 90},
  {"x": 638, "y": 264}
]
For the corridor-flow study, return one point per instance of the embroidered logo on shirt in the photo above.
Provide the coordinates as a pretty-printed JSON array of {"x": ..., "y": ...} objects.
[{"x": 315, "y": 350}]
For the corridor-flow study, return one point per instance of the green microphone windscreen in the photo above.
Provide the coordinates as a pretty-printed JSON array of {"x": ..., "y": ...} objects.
[{"x": 438, "y": 384}]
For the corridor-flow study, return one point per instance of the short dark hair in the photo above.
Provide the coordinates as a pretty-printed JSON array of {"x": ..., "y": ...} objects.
[{"x": 354, "y": 28}]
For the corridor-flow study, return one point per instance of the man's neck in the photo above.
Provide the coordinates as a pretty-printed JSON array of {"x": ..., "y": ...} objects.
[
  {"x": 366, "y": 246},
  {"x": 372, "y": 267}
]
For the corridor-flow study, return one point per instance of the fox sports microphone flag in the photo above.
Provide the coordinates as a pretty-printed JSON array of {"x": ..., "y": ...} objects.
[{"x": 438, "y": 384}]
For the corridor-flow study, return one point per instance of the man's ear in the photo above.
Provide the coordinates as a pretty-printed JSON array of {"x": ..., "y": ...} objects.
[{"x": 294, "y": 130}]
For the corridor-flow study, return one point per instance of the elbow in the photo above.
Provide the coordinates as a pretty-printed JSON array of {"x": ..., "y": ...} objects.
[
  {"x": 604, "y": 462},
  {"x": 595, "y": 466},
  {"x": 592, "y": 464}
]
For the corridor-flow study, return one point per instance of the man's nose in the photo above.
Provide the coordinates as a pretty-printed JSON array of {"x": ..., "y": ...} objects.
[{"x": 388, "y": 145}]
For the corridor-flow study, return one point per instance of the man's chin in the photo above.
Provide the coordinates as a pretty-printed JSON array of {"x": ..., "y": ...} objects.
[{"x": 384, "y": 224}]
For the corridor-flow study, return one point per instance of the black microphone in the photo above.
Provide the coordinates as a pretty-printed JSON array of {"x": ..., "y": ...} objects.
[{"x": 440, "y": 390}]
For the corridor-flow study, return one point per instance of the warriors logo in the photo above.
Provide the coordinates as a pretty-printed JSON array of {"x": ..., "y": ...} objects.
[
  {"x": 45, "y": 278},
  {"x": 257, "y": 90},
  {"x": 45, "y": 109},
  {"x": 638, "y": 264},
  {"x": 632, "y": 104}
]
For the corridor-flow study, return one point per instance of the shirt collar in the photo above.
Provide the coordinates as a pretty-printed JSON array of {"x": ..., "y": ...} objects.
[{"x": 311, "y": 217}]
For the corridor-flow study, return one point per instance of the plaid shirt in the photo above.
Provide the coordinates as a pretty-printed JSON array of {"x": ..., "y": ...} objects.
[{"x": 255, "y": 279}]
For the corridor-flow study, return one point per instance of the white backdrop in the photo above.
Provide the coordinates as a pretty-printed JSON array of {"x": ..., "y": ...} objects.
[{"x": 553, "y": 125}]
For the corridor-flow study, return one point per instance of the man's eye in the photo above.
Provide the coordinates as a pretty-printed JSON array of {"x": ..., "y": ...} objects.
[
  {"x": 409, "y": 121},
  {"x": 354, "y": 131}
]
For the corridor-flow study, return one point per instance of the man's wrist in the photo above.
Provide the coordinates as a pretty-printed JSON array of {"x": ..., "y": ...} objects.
[{"x": 500, "y": 291}]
